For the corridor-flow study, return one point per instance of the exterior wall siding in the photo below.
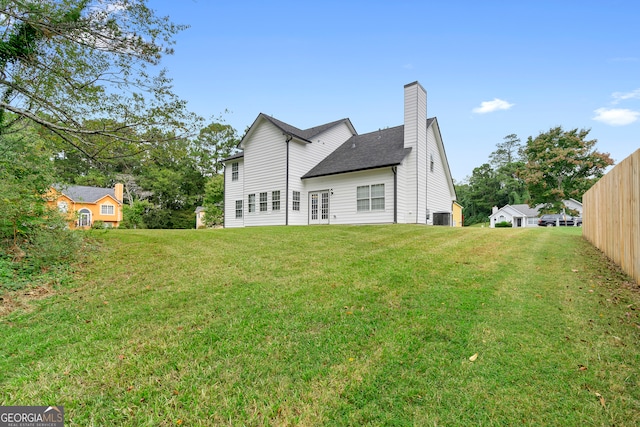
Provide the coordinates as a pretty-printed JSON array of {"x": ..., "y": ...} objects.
[
  {"x": 233, "y": 190},
  {"x": 415, "y": 136},
  {"x": 343, "y": 196},
  {"x": 266, "y": 159},
  {"x": 302, "y": 158},
  {"x": 420, "y": 190},
  {"x": 402, "y": 193},
  {"x": 439, "y": 198}
]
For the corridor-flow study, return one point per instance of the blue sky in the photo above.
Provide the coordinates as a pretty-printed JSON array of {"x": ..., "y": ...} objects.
[{"x": 490, "y": 68}]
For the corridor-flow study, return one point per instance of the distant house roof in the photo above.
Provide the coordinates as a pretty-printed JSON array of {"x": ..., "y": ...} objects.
[
  {"x": 200, "y": 209},
  {"x": 361, "y": 152},
  {"x": 526, "y": 210},
  {"x": 83, "y": 193}
]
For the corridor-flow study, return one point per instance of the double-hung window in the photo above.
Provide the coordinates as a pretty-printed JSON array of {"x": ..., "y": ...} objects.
[
  {"x": 296, "y": 200},
  {"x": 263, "y": 202},
  {"x": 252, "y": 203},
  {"x": 238, "y": 208},
  {"x": 377, "y": 197},
  {"x": 107, "y": 210},
  {"x": 234, "y": 171},
  {"x": 370, "y": 198},
  {"x": 275, "y": 200}
]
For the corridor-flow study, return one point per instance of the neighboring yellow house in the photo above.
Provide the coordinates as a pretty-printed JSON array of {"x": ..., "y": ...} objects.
[
  {"x": 458, "y": 219},
  {"x": 85, "y": 205}
]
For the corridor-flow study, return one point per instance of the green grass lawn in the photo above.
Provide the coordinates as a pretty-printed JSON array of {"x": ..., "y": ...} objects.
[{"x": 333, "y": 325}]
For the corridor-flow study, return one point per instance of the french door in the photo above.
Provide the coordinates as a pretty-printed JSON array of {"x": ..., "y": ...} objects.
[{"x": 319, "y": 207}]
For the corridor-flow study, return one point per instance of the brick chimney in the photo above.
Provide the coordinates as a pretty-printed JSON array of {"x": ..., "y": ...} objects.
[{"x": 119, "y": 191}]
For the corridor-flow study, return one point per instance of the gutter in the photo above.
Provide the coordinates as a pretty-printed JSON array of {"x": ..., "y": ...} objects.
[
  {"x": 224, "y": 199},
  {"x": 394, "y": 169},
  {"x": 286, "y": 184}
]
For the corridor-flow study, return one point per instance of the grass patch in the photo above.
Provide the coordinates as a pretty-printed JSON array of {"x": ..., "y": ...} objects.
[{"x": 367, "y": 325}]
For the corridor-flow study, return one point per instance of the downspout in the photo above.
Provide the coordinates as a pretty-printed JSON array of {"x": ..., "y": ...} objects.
[
  {"x": 417, "y": 164},
  {"x": 224, "y": 192},
  {"x": 427, "y": 171},
  {"x": 286, "y": 185},
  {"x": 394, "y": 169}
]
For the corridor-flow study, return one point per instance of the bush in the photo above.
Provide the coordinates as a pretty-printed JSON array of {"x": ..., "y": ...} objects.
[
  {"x": 97, "y": 225},
  {"x": 503, "y": 224}
]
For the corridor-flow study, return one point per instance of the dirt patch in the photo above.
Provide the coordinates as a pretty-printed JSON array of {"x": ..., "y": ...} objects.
[{"x": 21, "y": 300}]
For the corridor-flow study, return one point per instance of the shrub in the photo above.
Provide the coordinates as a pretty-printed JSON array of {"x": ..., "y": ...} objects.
[
  {"x": 503, "y": 224},
  {"x": 97, "y": 225}
]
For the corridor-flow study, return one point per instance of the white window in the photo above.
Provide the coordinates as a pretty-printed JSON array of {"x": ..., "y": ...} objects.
[
  {"x": 63, "y": 206},
  {"x": 107, "y": 210},
  {"x": 431, "y": 162},
  {"x": 377, "y": 197},
  {"x": 238, "y": 208},
  {"x": 234, "y": 171},
  {"x": 296, "y": 200},
  {"x": 370, "y": 198},
  {"x": 275, "y": 200},
  {"x": 363, "y": 198},
  {"x": 263, "y": 202},
  {"x": 252, "y": 203}
]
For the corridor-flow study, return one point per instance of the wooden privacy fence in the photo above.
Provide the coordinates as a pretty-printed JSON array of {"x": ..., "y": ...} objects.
[{"x": 611, "y": 215}]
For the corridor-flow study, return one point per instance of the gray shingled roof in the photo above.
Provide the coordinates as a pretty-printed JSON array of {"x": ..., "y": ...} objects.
[
  {"x": 83, "y": 193},
  {"x": 238, "y": 155},
  {"x": 526, "y": 210},
  {"x": 361, "y": 152}
]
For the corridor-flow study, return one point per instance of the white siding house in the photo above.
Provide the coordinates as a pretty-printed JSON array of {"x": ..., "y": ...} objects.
[
  {"x": 525, "y": 216},
  {"x": 331, "y": 175}
]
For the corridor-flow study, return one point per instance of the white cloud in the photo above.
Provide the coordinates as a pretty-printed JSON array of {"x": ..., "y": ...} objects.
[
  {"x": 621, "y": 96},
  {"x": 625, "y": 59},
  {"x": 616, "y": 116},
  {"x": 491, "y": 106}
]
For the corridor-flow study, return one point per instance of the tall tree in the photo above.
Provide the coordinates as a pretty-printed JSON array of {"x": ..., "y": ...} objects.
[
  {"x": 507, "y": 152},
  {"x": 214, "y": 200},
  {"x": 63, "y": 63},
  {"x": 215, "y": 142},
  {"x": 560, "y": 165}
]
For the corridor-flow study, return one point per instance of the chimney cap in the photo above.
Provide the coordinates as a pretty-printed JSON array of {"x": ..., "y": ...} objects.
[{"x": 413, "y": 84}]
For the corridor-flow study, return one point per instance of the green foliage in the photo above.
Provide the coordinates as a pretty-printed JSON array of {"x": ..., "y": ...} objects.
[
  {"x": 215, "y": 142},
  {"x": 503, "y": 224},
  {"x": 560, "y": 165},
  {"x": 495, "y": 183},
  {"x": 133, "y": 215},
  {"x": 214, "y": 201},
  {"x": 98, "y": 225},
  {"x": 33, "y": 238},
  {"x": 66, "y": 63}
]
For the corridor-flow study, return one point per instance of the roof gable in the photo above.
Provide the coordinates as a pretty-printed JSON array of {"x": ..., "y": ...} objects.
[
  {"x": 304, "y": 135},
  {"x": 433, "y": 122}
]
